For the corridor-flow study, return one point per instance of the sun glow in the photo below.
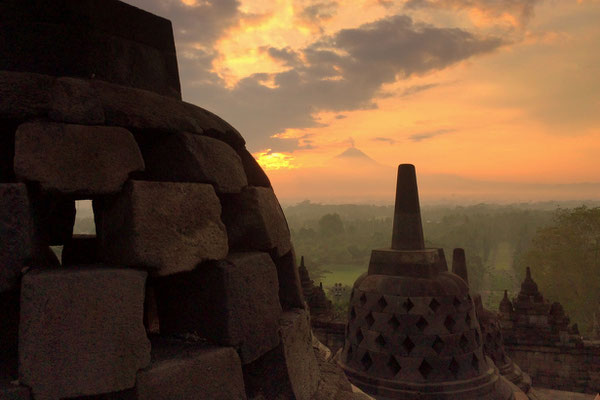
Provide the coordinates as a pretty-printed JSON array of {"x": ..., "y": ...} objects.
[{"x": 274, "y": 161}]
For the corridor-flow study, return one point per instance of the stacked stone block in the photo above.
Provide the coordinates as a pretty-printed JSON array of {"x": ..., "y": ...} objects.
[{"x": 190, "y": 288}]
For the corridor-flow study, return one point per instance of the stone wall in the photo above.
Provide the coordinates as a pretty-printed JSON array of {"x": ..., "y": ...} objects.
[
  {"x": 330, "y": 333},
  {"x": 568, "y": 368}
]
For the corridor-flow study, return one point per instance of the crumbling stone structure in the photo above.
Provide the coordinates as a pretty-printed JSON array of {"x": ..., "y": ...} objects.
[
  {"x": 190, "y": 289},
  {"x": 493, "y": 342},
  {"x": 530, "y": 318},
  {"x": 326, "y": 327},
  {"x": 319, "y": 305},
  {"x": 538, "y": 337},
  {"x": 412, "y": 328}
]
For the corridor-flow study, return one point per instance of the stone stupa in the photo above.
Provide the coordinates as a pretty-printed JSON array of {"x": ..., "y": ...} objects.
[
  {"x": 413, "y": 331},
  {"x": 489, "y": 322},
  {"x": 190, "y": 288}
]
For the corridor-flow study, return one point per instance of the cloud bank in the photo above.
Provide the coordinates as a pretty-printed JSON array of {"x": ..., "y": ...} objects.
[{"x": 340, "y": 72}]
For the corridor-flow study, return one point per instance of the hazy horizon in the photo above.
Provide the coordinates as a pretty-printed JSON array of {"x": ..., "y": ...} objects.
[{"x": 374, "y": 183}]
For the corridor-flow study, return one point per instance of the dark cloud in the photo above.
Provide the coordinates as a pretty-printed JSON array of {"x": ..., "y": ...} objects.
[
  {"x": 419, "y": 137},
  {"x": 289, "y": 57},
  {"x": 386, "y": 3},
  {"x": 409, "y": 91},
  {"x": 521, "y": 9},
  {"x": 341, "y": 72},
  {"x": 320, "y": 11},
  {"x": 385, "y": 140},
  {"x": 340, "y": 116}
]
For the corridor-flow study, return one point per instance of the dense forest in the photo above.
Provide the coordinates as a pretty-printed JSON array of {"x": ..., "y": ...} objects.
[{"x": 560, "y": 242}]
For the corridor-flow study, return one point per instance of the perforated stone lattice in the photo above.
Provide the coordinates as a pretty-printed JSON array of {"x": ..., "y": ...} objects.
[
  {"x": 413, "y": 330},
  {"x": 384, "y": 324}
]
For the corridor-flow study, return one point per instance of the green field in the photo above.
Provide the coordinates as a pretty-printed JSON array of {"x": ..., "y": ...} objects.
[
  {"x": 345, "y": 274},
  {"x": 499, "y": 276}
]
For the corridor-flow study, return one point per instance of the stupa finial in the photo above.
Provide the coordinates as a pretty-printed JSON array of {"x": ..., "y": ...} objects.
[
  {"x": 459, "y": 264},
  {"x": 408, "y": 230}
]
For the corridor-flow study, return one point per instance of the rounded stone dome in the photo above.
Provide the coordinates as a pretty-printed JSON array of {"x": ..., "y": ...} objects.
[{"x": 191, "y": 269}]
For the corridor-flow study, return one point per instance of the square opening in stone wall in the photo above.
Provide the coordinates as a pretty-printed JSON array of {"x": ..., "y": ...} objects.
[
  {"x": 84, "y": 218},
  {"x": 82, "y": 248}
]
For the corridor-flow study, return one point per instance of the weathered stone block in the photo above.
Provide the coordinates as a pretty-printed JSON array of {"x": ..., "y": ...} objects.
[
  {"x": 107, "y": 40},
  {"x": 7, "y": 150},
  {"x": 256, "y": 175},
  {"x": 302, "y": 367},
  {"x": 292, "y": 367},
  {"x": 151, "y": 321},
  {"x": 81, "y": 331},
  {"x": 163, "y": 226},
  {"x": 232, "y": 302},
  {"x": 191, "y": 371},
  {"x": 76, "y": 160},
  {"x": 255, "y": 221},
  {"x": 223, "y": 131},
  {"x": 8, "y": 391},
  {"x": 290, "y": 288},
  {"x": 9, "y": 331},
  {"x": 45, "y": 257},
  {"x": 185, "y": 157},
  {"x": 16, "y": 233},
  {"x": 81, "y": 250},
  {"x": 54, "y": 216},
  {"x": 76, "y": 102},
  {"x": 24, "y": 94},
  {"x": 141, "y": 109}
]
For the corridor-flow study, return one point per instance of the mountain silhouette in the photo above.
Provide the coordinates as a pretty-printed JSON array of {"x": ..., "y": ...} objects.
[{"x": 355, "y": 155}]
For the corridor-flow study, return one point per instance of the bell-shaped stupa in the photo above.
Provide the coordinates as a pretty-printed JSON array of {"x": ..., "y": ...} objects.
[
  {"x": 489, "y": 322},
  {"x": 413, "y": 331}
]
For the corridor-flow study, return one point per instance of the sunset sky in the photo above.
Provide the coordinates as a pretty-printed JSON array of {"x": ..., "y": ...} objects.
[{"x": 495, "y": 100}]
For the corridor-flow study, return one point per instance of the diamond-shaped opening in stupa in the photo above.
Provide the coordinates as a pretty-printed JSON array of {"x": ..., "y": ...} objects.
[
  {"x": 425, "y": 369},
  {"x": 434, "y": 305},
  {"x": 393, "y": 366},
  {"x": 408, "y": 345},
  {"x": 370, "y": 319},
  {"x": 450, "y": 323},
  {"x": 463, "y": 343},
  {"x": 438, "y": 345},
  {"x": 408, "y": 305},
  {"x": 422, "y": 324},
  {"x": 394, "y": 323},
  {"x": 454, "y": 367},
  {"x": 366, "y": 361}
]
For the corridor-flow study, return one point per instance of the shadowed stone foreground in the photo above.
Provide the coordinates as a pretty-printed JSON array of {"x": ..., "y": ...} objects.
[{"x": 190, "y": 288}]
